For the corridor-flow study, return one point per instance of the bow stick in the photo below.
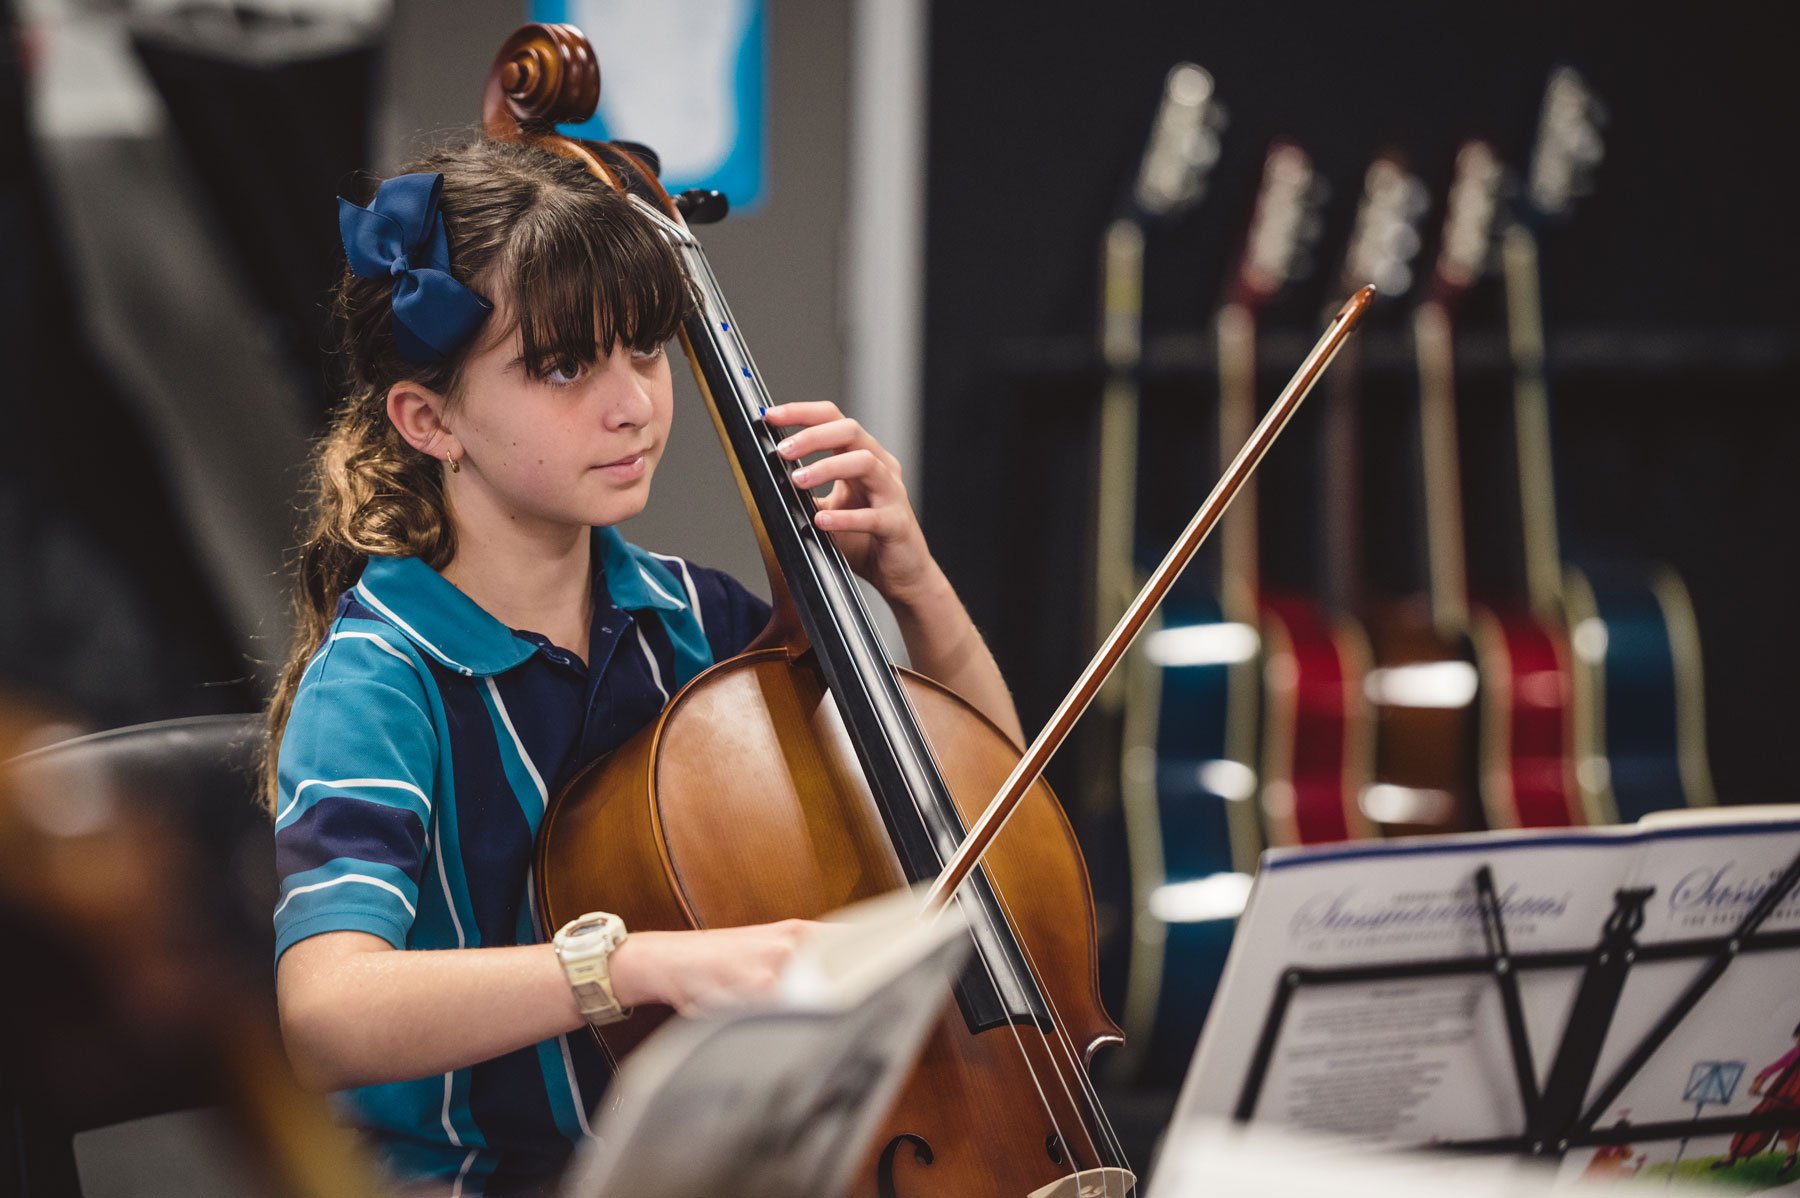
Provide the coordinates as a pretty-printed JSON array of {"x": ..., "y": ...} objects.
[{"x": 982, "y": 833}]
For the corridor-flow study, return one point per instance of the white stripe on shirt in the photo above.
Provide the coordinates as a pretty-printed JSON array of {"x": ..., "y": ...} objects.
[
  {"x": 363, "y": 590},
  {"x": 371, "y": 783},
  {"x": 655, "y": 670},
  {"x": 359, "y": 636},
  {"x": 364, "y": 878},
  {"x": 562, "y": 1042},
  {"x": 657, "y": 587},
  {"x": 693, "y": 592},
  {"x": 505, "y": 718},
  {"x": 456, "y": 1191}
]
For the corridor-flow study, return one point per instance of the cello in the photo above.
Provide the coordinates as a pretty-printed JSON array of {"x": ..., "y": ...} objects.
[{"x": 810, "y": 772}]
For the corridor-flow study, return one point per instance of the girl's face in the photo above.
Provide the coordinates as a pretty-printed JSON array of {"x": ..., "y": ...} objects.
[{"x": 577, "y": 446}]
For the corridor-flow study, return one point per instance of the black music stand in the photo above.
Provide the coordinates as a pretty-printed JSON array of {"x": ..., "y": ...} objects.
[{"x": 1556, "y": 1120}]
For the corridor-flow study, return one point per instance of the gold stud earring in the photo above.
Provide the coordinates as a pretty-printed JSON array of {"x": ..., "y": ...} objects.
[{"x": 455, "y": 466}]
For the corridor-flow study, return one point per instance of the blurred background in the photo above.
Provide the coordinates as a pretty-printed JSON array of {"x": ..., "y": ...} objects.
[{"x": 930, "y": 189}]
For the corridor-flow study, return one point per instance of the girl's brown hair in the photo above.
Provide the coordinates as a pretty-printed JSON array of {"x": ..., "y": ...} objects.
[{"x": 566, "y": 261}]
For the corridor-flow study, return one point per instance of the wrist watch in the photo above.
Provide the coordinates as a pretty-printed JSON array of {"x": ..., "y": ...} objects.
[{"x": 585, "y": 946}]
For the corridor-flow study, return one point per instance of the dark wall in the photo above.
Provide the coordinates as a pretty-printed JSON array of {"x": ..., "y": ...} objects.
[{"x": 1670, "y": 295}]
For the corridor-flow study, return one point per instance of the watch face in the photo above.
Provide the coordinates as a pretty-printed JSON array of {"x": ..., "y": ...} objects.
[{"x": 593, "y": 928}]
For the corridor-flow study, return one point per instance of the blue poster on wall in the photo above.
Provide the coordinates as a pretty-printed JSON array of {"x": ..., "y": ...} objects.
[{"x": 684, "y": 77}]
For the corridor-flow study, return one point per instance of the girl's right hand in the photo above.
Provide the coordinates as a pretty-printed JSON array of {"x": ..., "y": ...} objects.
[{"x": 692, "y": 971}]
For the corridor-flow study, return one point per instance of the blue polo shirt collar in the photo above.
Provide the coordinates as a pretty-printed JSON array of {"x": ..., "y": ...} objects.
[
  {"x": 455, "y": 630},
  {"x": 635, "y": 578}
]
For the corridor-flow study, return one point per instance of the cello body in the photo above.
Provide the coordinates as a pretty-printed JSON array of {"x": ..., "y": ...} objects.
[{"x": 745, "y": 803}]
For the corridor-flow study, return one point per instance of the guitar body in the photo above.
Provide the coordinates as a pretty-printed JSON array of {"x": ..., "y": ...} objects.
[
  {"x": 1190, "y": 830},
  {"x": 1427, "y": 734},
  {"x": 1640, "y": 738},
  {"x": 1317, "y": 727},
  {"x": 1528, "y": 721}
]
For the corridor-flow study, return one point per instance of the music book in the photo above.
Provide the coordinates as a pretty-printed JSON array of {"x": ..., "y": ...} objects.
[
  {"x": 782, "y": 1097},
  {"x": 1620, "y": 1000}
]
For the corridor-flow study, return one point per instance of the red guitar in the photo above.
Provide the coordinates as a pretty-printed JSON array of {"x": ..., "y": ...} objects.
[
  {"x": 1527, "y": 715},
  {"x": 1316, "y": 747}
]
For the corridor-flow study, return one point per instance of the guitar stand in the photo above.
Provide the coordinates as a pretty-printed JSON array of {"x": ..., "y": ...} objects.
[{"x": 1555, "y": 1120}]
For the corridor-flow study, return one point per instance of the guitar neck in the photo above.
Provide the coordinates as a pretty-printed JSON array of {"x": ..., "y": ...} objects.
[
  {"x": 1531, "y": 420},
  {"x": 1447, "y": 568},
  {"x": 1240, "y": 565},
  {"x": 1340, "y": 513},
  {"x": 1121, "y": 346}
]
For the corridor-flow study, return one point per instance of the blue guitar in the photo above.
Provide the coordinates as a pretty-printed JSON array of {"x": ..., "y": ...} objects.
[
  {"x": 1639, "y": 735},
  {"x": 1181, "y": 151},
  {"x": 1189, "y": 765}
]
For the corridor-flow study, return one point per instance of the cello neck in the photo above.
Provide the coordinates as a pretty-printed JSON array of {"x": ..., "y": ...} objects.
[{"x": 915, "y": 803}]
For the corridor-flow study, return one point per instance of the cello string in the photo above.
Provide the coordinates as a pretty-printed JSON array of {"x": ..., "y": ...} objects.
[
  {"x": 800, "y": 513},
  {"x": 853, "y": 595},
  {"x": 989, "y": 966},
  {"x": 1065, "y": 1041},
  {"x": 1061, "y": 1040},
  {"x": 711, "y": 295}
]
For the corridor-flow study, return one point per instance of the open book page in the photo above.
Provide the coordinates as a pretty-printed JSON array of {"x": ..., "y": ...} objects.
[
  {"x": 1737, "y": 1051},
  {"x": 780, "y": 1098}
]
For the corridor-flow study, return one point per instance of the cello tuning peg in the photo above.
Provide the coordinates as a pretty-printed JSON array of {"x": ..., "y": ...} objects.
[{"x": 702, "y": 207}]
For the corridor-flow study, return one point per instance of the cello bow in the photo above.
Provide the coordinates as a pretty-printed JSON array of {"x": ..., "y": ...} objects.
[{"x": 982, "y": 833}]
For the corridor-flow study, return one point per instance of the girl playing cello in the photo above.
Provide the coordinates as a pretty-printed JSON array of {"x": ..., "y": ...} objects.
[{"x": 472, "y": 629}]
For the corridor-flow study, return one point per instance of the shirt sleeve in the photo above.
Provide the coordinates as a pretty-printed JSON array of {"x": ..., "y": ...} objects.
[
  {"x": 730, "y": 613},
  {"x": 357, "y": 761}
]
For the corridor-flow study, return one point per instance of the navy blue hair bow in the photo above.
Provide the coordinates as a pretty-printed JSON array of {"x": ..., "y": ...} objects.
[{"x": 401, "y": 233}]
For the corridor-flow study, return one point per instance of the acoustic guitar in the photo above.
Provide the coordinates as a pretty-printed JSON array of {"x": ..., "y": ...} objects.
[
  {"x": 1639, "y": 731},
  {"x": 1167, "y": 715},
  {"x": 1424, "y": 685},
  {"x": 1527, "y": 776},
  {"x": 1313, "y": 759},
  {"x": 1382, "y": 502}
]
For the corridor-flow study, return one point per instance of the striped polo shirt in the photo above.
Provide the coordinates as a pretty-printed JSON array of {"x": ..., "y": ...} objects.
[{"x": 425, "y": 741}]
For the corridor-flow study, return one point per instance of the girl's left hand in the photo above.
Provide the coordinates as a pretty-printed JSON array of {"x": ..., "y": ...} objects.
[{"x": 867, "y": 511}]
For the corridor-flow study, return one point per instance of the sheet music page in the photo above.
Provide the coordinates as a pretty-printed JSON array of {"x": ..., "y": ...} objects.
[
  {"x": 1401, "y": 1060},
  {"x": 1705, "y": 878},
  {"x": 1412, "y": 1048}
]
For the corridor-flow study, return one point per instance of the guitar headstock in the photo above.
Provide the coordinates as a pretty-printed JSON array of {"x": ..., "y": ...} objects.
[
  {"x": 1471, "y": 221},
  {"x": 1183, "y": 146},
  {"x": 1284, "y": 228},
  {"x": 1385, "y": 238},
  {"x": 1568, "y": 148}
]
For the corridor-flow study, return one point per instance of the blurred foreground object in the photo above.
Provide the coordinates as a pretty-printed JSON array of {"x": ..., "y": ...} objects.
[
  {"x": 140, "y": 980},
  {"x": 790, "y": 1092}
]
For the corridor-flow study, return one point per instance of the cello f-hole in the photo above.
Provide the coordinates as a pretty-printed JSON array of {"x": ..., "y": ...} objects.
[{"x": 884, "y": 1171}]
